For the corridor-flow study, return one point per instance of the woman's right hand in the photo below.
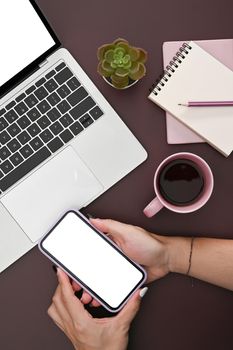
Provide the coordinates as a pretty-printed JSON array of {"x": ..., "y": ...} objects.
[
  {"x": 145, "y": 248},
  {"x": 159, "y": 255}
]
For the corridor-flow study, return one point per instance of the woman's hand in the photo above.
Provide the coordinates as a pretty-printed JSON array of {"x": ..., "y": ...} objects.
[
  {"x": 147, "y": 249},
  {"x": 157, "y": 254},
  {"x": 84, "y": 331}
]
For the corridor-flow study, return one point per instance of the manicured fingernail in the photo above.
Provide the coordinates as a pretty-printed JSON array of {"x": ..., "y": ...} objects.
[
  {"x": 90, "y": 216},
  {"x": 143, "y": 291},
  {"x": 96, "y": 219},
  {"x": 54, "y": 267},
  {"x": 58, "y": 271}
]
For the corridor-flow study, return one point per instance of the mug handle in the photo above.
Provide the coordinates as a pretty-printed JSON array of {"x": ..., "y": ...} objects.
[{"x": 153, "y": 207}]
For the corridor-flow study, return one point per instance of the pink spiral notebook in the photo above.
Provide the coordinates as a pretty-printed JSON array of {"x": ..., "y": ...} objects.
[{"x": 222, "y": 50}]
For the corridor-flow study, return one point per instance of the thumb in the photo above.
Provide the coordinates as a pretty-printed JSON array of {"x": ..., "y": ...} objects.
[{"x": 130, "y": 310}]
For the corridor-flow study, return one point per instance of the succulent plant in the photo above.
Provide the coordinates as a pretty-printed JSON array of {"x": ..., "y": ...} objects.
[{"x": 121, "y": 63}]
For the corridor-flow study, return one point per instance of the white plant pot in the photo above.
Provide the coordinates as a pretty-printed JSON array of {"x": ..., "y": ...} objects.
[{"x": 126, "y": 87}]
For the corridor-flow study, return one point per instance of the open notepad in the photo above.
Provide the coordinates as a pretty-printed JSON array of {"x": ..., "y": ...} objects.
[
  {"x": 194, "y": 75},
  {"x": 222, "y": 49}
]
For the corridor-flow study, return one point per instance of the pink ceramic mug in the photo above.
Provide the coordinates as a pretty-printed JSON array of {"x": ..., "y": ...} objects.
[{"x": 159, "y": 201}]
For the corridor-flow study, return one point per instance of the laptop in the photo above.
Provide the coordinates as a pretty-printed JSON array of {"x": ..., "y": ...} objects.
[{"x": 61, "y": 143}]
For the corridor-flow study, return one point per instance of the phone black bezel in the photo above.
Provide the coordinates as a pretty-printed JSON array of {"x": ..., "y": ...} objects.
[
  {"x": 95, "y": 295},
  {"x": 33, "y": 66}
]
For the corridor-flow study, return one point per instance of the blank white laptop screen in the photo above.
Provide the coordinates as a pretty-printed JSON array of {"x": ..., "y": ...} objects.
[{"x": 24, "y": 37}]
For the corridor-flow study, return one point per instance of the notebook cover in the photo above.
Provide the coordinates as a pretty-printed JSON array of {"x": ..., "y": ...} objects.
[
  {"x": 222, "y": 49},
  {"x": 198, "y": 76}
]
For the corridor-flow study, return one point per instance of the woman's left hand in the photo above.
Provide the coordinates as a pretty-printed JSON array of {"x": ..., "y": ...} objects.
[{"x": 84, "y": 331}]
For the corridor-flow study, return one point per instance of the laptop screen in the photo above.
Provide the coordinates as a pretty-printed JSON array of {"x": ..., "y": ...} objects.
[{"x": 25, "y": 37}]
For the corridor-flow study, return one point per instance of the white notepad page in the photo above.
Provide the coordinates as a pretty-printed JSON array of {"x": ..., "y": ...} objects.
[{"x": 200, "y": 77}]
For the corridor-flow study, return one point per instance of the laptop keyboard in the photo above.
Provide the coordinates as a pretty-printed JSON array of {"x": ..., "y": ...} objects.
[{"x": 41, "y": 120}]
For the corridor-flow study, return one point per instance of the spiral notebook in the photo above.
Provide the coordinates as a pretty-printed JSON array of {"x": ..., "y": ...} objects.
[
  {"x": 222, "y": 49},
  {"x": 195, "y": 75}
]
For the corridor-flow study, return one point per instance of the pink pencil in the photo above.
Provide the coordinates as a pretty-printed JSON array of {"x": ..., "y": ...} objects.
[{"x": 207, "y": 103}]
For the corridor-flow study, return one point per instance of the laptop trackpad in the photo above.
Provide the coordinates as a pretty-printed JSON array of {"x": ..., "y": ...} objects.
[{"x": 63, "y": 183}]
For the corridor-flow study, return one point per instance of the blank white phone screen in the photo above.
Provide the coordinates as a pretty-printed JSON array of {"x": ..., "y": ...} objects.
[{"x": 93, "y": 260}]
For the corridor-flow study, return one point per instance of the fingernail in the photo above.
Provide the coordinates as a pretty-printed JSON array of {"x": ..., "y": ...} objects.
[
  {"x": 90, "y": 216},
  {"x": 54, "y": 267},
  {"x": 143, "y": 291},
  {"x": 58, "y": 270}
]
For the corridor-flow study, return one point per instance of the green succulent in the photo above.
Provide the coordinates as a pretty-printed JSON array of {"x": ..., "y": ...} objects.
[{"x": 121, "y": 63}]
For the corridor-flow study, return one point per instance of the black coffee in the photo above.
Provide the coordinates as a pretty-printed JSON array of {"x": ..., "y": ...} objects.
[{"x": 180, "y": 182}]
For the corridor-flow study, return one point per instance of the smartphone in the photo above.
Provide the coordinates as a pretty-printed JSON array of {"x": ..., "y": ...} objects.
[{"x": 94, "y": 261}]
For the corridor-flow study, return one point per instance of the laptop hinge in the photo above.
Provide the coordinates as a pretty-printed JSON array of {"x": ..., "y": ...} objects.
[{"x": 43, "y": 63}]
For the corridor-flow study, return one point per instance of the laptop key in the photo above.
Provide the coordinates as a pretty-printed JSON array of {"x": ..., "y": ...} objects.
[
  {"x": 40, "y": 82},
  {"x": 44, "y": 122},
  {"x": 66, "y": 136},
  {"x": 3, "y": 123},
  {"x": 13, "y": 145},
  {"x": 73, "y": 83},
  {"x": 2, "y": 111},
  {"x": 63, "y": 107},
  {"x": 96, "y": 112},
  {"x": 4, "y": 153},
  {"x": 23, "y": 122},
  {"x": 21, "y": 108},
  {"x": 46, "y": 135},
  {"x": 63, "y": 76},
  {"x": 4, "y": 137},
  {"x": 56, "y": 128},
  {"x": 41, "y": 93},
  {"x": 53, "y": 114},
  {"x": 33, "y": 130},
  {"x": 1, "y": 175},
  {"x": 30, "y": 90},
  {"x": 31, "y": 100},
  {"x": 55, "y": 144},
  {"x": 24, "y": 168},
  {"x": 34, "y": 114},
  {"x": 76, "y": 128},
  {"x": 24, "y": 137},
  {"x": 11, "y": 116},
  {"x": 50, "y": 74},
  {"x": 82, "y": 107},
  {"x": 63, "y": 91},
  {"x": 66, "y": 120},
  {"x": 60, "y": 66},
  {"x": 20, "y": 97},
  {"x": 86, "y": 120},
  {"x": 51, "y": 85},
  {"x": 53, "y": 99},
  {"x": 10, "y": 105},
  {"x": 77, "y": 96},
  {"x": 6, "y": 167},
  {"x": 36, "y": 143},
  {"x": 13, "y": 129},
  {"x": 16, "y": 159},
  {"x": 26, "y": 151},
  {"x": 43, "y": 106}
]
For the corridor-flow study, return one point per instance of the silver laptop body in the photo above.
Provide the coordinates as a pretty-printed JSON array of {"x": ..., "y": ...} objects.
[{"x": 63, "y": 158}]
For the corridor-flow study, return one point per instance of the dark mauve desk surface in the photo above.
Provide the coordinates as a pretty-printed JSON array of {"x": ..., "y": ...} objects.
[{"x": 174, "y": 315}]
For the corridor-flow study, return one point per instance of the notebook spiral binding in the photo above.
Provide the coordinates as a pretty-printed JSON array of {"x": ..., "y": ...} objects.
[{"x": 170, "y": 69}]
